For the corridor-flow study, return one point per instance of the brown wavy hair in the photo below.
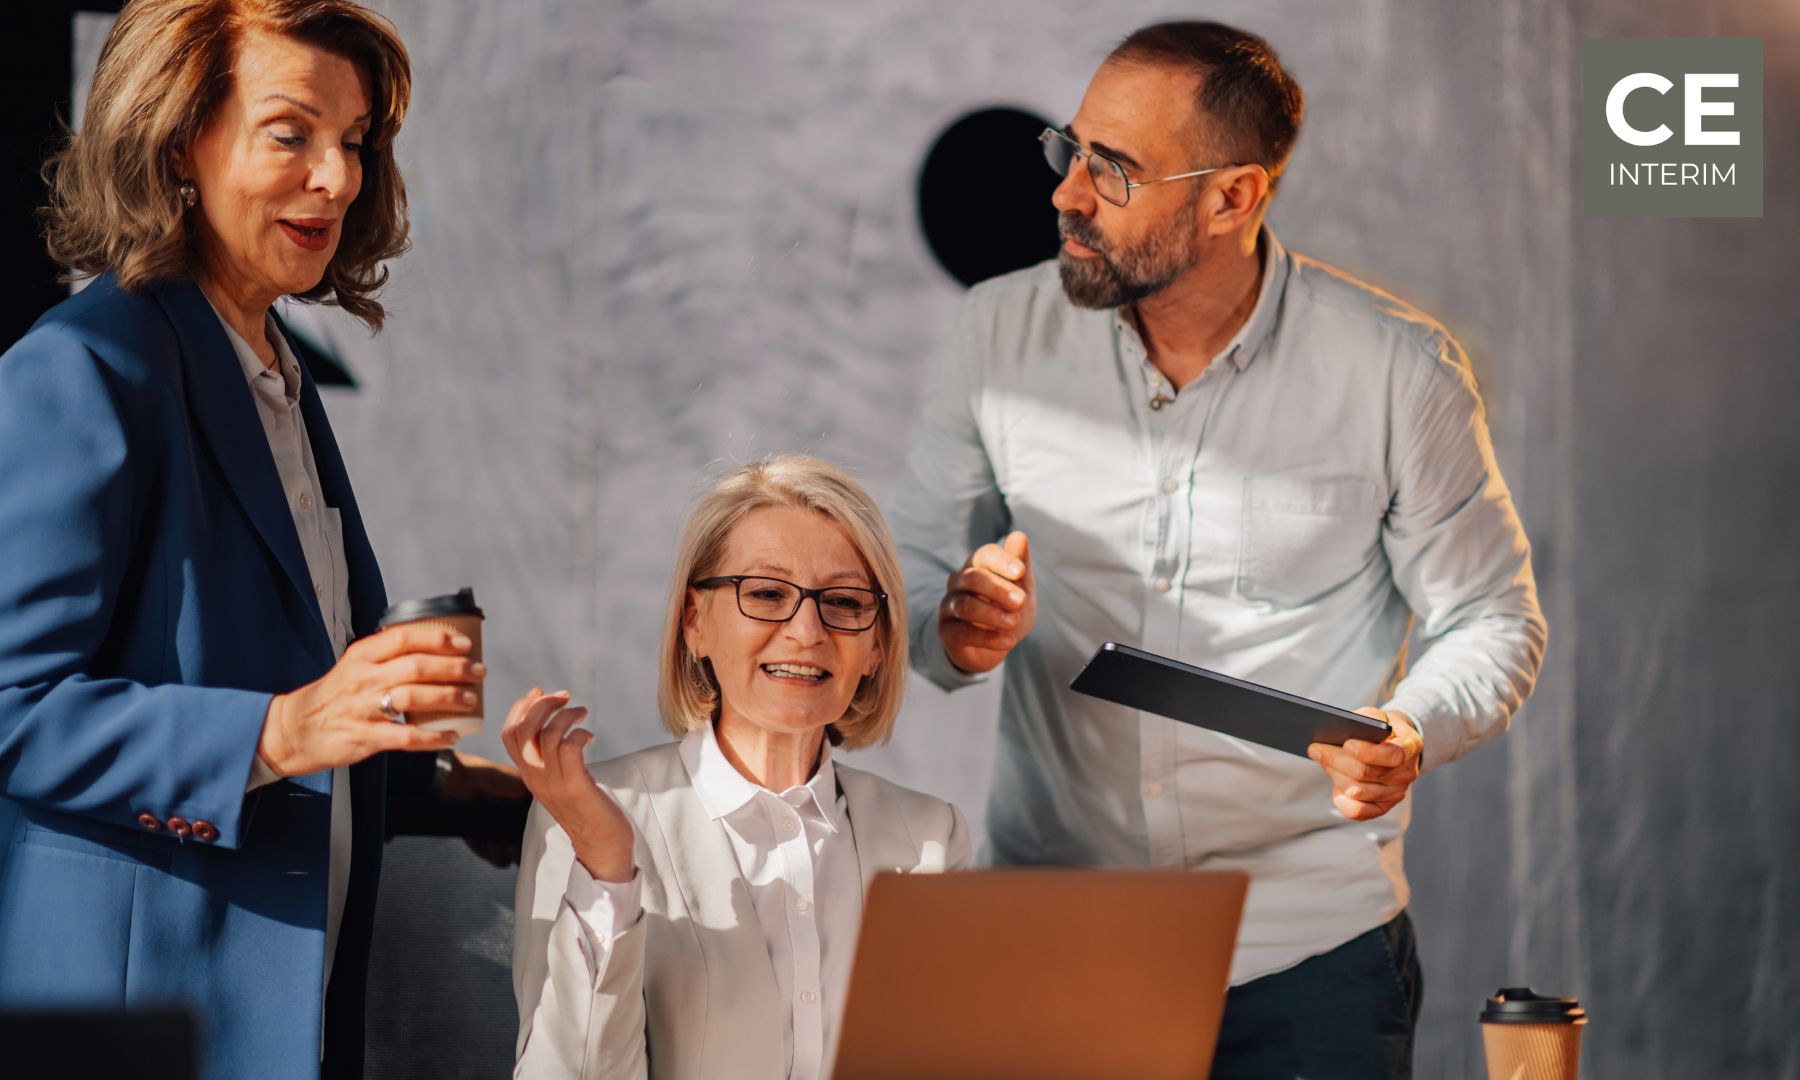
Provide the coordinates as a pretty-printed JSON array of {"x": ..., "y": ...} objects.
[{"x": 114, "y": 200}]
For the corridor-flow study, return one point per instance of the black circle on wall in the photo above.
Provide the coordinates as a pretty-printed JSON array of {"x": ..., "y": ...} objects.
[{"x": 984, "y": 195}]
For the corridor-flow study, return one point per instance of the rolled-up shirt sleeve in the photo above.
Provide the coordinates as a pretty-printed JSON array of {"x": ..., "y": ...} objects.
[
  {"x": 948, "y": 502},
  {"x": 1460, "y": 558},
  {"x": 578, "y": 963},
  {"x": 605, "y": 909}
]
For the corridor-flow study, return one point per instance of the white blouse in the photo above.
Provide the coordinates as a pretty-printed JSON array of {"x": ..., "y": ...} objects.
[{"x": 797, "y": 854}]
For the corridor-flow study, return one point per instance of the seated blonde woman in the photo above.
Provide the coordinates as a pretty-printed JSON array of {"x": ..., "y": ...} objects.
[{"x": 691, "y": 910}]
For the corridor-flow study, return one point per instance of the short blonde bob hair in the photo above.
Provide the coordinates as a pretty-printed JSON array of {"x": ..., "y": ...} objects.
[
  {"x": 686, "y": 691},
  {"x": 115, "y": 203}
]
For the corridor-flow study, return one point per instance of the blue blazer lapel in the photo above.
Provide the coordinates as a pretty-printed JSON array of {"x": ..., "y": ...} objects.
[{"x": 219, "y": 399}]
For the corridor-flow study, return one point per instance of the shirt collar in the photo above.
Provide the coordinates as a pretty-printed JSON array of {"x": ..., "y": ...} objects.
[
  {"x": 723, "y": 791},
  {"x": 1247, "y": 344},
  {"x": 252, "y": 364},
  {"x": 1244, "y": 347}
]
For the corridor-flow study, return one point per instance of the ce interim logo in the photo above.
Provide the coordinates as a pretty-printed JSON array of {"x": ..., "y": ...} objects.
[{"x": 1672, "y": 127}]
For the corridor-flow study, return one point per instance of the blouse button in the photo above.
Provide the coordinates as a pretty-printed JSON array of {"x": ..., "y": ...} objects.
[{"x": 808, "y": 997}]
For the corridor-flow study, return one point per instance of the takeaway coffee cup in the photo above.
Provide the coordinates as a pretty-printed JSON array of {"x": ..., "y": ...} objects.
[
  {"x": 453, "y": 611},
  {"x": 1531, "y": 1037}
]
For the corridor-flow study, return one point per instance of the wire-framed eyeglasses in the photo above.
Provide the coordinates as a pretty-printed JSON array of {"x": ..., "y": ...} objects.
[
  {"x": 767, "y": 599},
  {"x": 1110, "y": 181}
]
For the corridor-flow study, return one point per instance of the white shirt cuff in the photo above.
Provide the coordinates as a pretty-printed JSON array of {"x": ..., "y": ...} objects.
[
  {"x": 606, "y": 909},
  {"x": 1436, "y": 724},
  {"x": 934, "y": 661}
]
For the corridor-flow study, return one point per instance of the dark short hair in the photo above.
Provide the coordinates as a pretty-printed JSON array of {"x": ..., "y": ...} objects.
[{"x": 1248, "y": 103}]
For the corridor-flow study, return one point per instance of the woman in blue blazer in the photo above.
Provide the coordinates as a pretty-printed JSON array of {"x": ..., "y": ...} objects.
[{"x": 192, "y": 776}]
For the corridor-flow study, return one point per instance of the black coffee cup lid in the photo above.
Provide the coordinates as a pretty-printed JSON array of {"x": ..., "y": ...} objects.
[
  {"x": 461, "y": 602},
  {"x": 1519, "y": 1005}
]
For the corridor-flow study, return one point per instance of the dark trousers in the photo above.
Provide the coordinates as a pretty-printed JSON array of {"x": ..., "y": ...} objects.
[{"x": 1347, "y": 1014}]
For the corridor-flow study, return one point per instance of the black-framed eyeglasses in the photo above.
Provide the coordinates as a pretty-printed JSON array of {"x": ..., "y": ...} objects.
[
  {"x": 1110, "y": 181},
  {"x": 767, "y": 599}
]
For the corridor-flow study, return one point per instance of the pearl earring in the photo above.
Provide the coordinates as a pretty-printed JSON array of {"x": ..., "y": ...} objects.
[{"x": 189, "y": 193}]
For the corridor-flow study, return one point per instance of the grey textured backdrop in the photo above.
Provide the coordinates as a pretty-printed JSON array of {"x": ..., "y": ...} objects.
[{"x": 651, "y": 238}]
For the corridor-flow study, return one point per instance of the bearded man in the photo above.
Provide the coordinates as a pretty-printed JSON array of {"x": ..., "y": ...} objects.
[{"x": 1182, "y": 436}]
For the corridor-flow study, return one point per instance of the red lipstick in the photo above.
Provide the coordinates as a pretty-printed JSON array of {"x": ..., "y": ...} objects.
[{"x": 313, "y": 234}]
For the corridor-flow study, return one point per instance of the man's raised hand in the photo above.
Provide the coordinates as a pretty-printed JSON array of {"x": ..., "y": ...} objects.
[{"x": 990, "y": 605}]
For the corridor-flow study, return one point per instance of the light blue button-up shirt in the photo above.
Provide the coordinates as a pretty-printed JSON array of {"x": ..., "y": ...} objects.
[{"x": 1328, "y": 476}]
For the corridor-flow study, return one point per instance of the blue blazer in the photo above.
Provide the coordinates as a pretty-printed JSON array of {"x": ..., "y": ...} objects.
[{"x": 153, "y": 598}]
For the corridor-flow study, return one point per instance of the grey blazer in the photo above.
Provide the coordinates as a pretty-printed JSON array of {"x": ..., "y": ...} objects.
[{"x": 689, "y": 990}]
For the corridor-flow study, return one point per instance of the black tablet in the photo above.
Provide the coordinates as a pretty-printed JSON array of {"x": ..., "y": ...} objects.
[{"x": 1140, "y": 680}]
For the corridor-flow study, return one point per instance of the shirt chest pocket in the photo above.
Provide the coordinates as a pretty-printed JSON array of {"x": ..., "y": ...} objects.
[{"x": 1300, "y": 539}]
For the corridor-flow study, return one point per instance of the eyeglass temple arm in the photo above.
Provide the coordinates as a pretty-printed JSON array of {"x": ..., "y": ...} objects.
[{"x": 1132, "y": 184}]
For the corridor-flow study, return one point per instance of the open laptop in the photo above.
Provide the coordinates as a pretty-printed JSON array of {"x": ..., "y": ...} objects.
[{"x": 1041, "y": 974}]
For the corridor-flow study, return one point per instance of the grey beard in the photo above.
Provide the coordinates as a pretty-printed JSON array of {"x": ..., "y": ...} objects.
[
  {"x": 1107, "y": 282},
  {"x": 1101, "y": 284}
]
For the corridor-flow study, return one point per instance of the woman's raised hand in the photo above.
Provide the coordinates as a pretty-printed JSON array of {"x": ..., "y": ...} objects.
[
  {"x": 338, "y": 720},
  {"x": 541, "y": 736}
]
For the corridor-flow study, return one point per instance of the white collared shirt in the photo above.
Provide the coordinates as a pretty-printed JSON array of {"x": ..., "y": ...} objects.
[
  {"x": 797, "y": 856},
  {"x": 320, "y": 529}
]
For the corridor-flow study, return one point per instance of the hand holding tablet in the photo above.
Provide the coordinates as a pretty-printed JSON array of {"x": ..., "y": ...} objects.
[
  {"x": 1193, "y": 695},
  {"x": 1370, "y": 762},
  {"x": 1369, "y": 779}
]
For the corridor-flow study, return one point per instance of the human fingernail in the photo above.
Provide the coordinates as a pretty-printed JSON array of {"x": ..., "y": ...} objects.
[
  {"x": 478, "y": 669},
  {"x": 461, "y": 641},
  {"x": 467, "y": 697}
]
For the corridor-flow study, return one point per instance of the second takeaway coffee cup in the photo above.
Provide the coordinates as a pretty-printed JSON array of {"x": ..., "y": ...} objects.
[
  {"x": 1531, "y": 1037},
  {"x": 452, "y": 611}
]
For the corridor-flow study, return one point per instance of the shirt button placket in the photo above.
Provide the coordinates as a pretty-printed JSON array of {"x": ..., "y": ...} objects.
[{"x": 1162, "y": 634}]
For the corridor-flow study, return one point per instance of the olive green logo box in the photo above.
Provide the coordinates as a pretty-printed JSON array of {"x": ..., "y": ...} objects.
[{"x": 1672, "y": 127}]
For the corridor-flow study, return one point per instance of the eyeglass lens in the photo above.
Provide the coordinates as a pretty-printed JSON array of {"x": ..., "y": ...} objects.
[
  {"x": 1107, "y": 175},
  {"x": 774, "y": 600}
]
